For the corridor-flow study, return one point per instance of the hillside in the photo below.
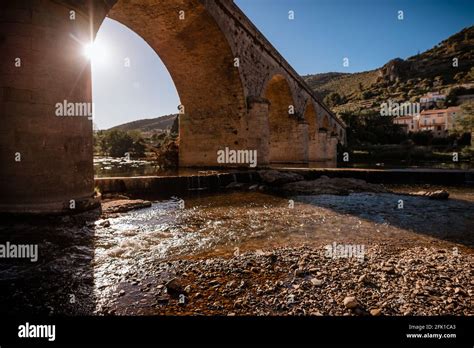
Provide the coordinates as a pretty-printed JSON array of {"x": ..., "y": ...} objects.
[
  {"x": 398, "y": 79},
  {"x": 158, "y": 124}
]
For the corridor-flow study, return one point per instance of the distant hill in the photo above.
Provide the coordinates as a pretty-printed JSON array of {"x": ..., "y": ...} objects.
[
  {"x": 398, "y": 79},
  {"x": 158, "y": 124}
]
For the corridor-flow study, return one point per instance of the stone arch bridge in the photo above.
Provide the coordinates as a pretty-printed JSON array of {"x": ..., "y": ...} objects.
[{"x": 237, "y": 91}]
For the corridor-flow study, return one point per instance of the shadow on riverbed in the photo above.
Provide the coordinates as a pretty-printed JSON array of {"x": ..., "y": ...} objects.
[
  {"x": 61, "y": 281},
  {"x": 450, "y": 220}
]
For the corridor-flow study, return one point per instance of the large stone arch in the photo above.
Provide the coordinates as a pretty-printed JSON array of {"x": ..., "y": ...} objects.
[
  {"x": 287, "y": 143},
  {"x": 311, "y": 119},
  {"x": 201, "y": 64},
  {"x": 53, "y": 69},
  {"x": 224, "y": 105}
]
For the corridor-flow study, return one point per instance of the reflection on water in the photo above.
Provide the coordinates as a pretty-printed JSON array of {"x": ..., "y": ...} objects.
[
  {"x": 114, "y": 167},
  {"x": 117, "y": 167},
  {"x": 121, "y": 167},
  {"x": 416, "y": 165}
]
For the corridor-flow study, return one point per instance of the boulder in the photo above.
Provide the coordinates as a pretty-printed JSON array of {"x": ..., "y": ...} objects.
[
  {"x": 276, "y": 178},
  {"x": 331, "y": 186},
  {"x": 124, "y": 205}
]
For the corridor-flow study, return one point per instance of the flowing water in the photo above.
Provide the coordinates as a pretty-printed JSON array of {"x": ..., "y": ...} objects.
[{"x": 88, "y": 258}]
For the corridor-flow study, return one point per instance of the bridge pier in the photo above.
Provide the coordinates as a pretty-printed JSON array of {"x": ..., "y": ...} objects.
[
  {"x": 322, "y": 152},
  {"x": 313, "y": 147},
  {"x": 301, "y": 142},
  {"x": 46, "y": 158},
  {"x": 332, "y": 147},
  {"x": 257, "y": 128}
]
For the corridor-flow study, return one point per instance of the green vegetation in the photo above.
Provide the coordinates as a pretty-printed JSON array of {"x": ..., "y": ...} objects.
[
  {"x": 333, "y": 99},
  {"x": 368, "y": 127},
  {"x": 117, "y": 143},
  {"x": 371, "y": 137},
  {"x": 455, "y": 92},
  {"x": 141, "y": 140}
]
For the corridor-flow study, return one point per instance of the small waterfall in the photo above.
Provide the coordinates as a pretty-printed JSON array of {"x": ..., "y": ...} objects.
[{"x": 192, "y": 186}]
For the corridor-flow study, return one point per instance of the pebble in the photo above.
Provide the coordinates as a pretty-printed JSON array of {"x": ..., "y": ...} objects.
[
  {"x": 350, "y": 302},
  {"x": 375, "y": 312}
]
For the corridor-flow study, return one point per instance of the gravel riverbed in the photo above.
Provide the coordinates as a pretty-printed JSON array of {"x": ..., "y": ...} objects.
[{"x": 302, "y": 281}]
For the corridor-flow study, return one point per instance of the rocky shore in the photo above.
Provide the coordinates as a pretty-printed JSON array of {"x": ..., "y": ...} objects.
[
  {"x": 304, "y": 281},
  {"x": 289, "y": 183}
]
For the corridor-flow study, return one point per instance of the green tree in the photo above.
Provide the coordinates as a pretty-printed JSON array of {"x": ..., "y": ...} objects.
[
  {"x": 175, "y": 126},
  {"x": 333, "y": 99},
  {"x": 100, "y": 142},
  {"x": 138, "y": 148},
  {"x": 118, "y": 143},
  {"x": 470, "y": 75},
  {"x": 368, "y": 127}
]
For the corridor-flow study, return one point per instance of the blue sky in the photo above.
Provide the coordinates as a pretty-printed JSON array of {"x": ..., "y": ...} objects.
[{"x": 322, "y": 33}]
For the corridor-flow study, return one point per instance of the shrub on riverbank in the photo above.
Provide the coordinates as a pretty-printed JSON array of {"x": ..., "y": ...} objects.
[{"x": 118, "y": 143}]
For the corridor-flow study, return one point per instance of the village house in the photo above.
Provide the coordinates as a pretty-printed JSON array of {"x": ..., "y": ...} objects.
[
  {"x": 439, "y": 122},
  {"x": 429, "y": 100},
  {"x": 409, "y": 123}
]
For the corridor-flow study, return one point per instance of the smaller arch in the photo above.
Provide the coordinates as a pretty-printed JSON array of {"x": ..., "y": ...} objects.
[
  {"x": 288, "y": 141},
  {"x": 325, "y": 125}
]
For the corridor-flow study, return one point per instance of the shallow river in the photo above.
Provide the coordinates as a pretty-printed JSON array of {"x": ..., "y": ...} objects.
[{"x": 88, "y": 258}]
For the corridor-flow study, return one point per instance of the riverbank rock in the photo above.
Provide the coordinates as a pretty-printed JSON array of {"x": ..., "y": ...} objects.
[
  {"x": 275, "y": 177},
  {"x": 175, "y": 288},
  {"x": 235, "y": 185},
  {"x": 331, "y": 186},
  {"x": 123, "y": 205},
  {"x": 438, "y": 194}
]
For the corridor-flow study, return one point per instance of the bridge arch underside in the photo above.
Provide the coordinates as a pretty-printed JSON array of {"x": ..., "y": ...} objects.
[
  {"x": 201, "y": 64},
  {"x": 288, "y": 134}
]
